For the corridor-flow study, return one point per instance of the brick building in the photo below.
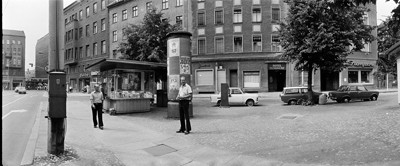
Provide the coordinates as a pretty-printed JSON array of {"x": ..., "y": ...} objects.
[
  {"x": 86, "y": 40},
  {"x": 236, "y": 42},
  {"x": 13, "y": 62}
]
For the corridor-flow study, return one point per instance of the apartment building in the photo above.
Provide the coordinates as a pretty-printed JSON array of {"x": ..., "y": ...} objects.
[
  {"x": 13, "y": 62},
  {"x": 86, "y": 40},
  {"x": 42, "y": 58}
]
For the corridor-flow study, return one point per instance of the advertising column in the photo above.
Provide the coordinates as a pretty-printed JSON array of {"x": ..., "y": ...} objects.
[{"x": 178, "y": 65}]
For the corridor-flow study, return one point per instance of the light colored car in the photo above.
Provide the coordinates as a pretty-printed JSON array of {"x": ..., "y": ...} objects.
[
  {"x": 20, "y": 90},
  {"x": 237, "y": 97},
  {"x": 296, "y": 95}
]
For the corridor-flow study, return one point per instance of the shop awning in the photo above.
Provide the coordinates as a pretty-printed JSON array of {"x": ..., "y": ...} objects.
[{"x": 109, "y": 64}]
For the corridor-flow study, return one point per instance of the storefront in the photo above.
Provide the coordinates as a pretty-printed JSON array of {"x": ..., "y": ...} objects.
[{"x": 129, "y": 86}]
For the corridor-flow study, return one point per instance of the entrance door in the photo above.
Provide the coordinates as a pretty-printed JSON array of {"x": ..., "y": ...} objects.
[
  {"x": 233, "y": 79},
  {"x": 276, "y": 80},
  {"x": 329, "y": 80}
]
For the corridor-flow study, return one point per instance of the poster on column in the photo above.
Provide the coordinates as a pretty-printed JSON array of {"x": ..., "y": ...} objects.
[
  {"x": 173, "y": 47},
  {"x": 173, "y": 82},
  {"x": 184, "y": 63}
]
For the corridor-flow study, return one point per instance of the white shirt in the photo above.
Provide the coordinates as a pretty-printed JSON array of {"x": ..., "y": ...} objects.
[
  {"x": 96, "y": 97},
  {"x": 184, "y": 90}
]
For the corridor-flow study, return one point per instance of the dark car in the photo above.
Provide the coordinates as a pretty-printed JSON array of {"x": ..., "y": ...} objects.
[
  {"x": 346, "y": 93},
  {"x": 295, "y": 95}
]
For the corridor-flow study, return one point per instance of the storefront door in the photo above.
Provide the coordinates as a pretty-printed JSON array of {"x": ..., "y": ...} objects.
[
  {"x": 233, "y": 78},
  {"x": 276, "y": 77},
  {"x": 329, "y": 80}
]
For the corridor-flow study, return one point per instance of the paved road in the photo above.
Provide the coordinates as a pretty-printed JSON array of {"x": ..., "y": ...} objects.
[
  {"x": 337, "y": 133},
  {"x": 18, "y": 116}
]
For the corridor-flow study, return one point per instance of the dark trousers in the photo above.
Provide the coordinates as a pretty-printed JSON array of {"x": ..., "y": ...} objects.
[
  {"x": 184, "y": 115},
  {"x": 97, "y": 111}
]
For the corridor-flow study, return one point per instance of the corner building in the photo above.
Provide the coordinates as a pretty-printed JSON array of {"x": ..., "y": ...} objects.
[
  {"x": 236, "y": 42},
  {"x": 13, "y": 60},
  {"x": 86, "y": 40}
]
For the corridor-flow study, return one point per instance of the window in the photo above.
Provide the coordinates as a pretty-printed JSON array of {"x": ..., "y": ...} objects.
[
  {"x": 275, "y": 27},
  {"x": 80, "y": 15},
  {"x": 204, "y": 77},
  {"x": 94, "y": 27},
  {"x": 103, "y": 4},
  {"x": 81, "y": 52},
  {"x": 365, "y": 18},
  {"x": 103, "y": 24},
  {"x": 114, "y": 18},
  {"x": 179, "y": 2},
  {"x": 124, "y": 36},
  {"x": 237, "y": 16},
  {"x": 95, "y": 7},
  {"x": 218, "y": 3},
  {"x": 164, "y": 4},
  {"x": 124, "y": 14},
  {"x": 135, "y": 11},
  {"x": 103, "y": 47},
  {"x": 201, "y": 18},
  {"x": 114, "y": 53},
  {"x": 114, "y": 34},
  {"x": 219, "y": 45},
  {"x": 87, "y": 51},
  {"x": 87, "y": 11},
  {"x": 275, "y": 44},
  {"x": 275, "y": 1},
  {"x": 237, "y": 44},
  {"x": 87, "y": 30},
  {"x": 8, "y": 41},
  {"x": 179, "y": 20},
  {"x": 275, "y": 14},
  {"x": 201, "y": 46},
  {"x": 365, "y": 77},
  {"x": 148, "y": 6},
  {"x": 237, "y": 2},
  {"x": 257, "y": 47},
  {"x": 366, "y": 47},
  {"x": 80, "y": 32},
  {"x": 256, "y": 2},
  {"x": 353, "y": 76},
  {"x": 251, "y": 79},
  {"x": 95, "y": 49},
  {"x": 257, "y": 15},
  {"x": 219, "y": 17}
]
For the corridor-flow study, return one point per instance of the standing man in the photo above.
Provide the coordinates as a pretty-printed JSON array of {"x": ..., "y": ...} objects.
[
  {"x": 96, "y": 98},
  {"x": 184, "y": 97}
]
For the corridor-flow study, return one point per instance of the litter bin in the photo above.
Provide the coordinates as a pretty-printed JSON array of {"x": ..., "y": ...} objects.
[
  {"x": 162, "y": 98},
  {"x": 323, "y": 99}
]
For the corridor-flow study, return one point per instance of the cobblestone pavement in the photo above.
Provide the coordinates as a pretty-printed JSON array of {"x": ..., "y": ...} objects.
[{"x": 353, "y": 133}]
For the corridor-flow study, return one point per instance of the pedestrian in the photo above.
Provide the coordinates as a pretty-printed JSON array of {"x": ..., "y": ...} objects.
[
  {"x": 184, "y": 97},
  {"x": 96, "y": 99},
  {"x": 70, "y": 89}
]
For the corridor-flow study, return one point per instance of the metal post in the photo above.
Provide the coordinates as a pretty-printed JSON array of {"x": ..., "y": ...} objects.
[{"x": 387, "y": 81}]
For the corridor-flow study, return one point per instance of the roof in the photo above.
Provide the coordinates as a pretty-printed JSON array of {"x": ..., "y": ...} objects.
[
  {"x": 13, "y": 32},
  {"x": 109, "y": 64}
]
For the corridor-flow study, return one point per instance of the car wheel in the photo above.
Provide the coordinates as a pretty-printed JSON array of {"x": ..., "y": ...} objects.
[
  {"x": 219, "y": 103},
  {"x": 338, "y": 100},
  {"x": 292, "y": 102},
  {"x": 373, "y": 98},
  {"x": 250, "y": 103},
  {"x": 346, "y": 100}
]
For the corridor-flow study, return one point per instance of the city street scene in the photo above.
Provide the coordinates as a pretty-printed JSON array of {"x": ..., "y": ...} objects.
[{"x": 201, "y": 82}]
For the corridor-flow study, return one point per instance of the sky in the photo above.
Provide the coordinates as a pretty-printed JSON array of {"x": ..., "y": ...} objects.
[{"x": 32, "y": 17}]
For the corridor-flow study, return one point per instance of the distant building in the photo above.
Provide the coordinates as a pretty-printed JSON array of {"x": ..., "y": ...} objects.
[
  {"x": 42, "y": 58},
  {"x": 13, "y": 58}
]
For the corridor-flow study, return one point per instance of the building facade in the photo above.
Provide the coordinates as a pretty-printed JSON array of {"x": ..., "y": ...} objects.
[
  {"x": 236, "y": 42},
  {"x": 125, "y": 12},
  {"x": 42, "y": 58},
  {"x": 86, "y": 40},
  {"x": 13, "y": 66}
]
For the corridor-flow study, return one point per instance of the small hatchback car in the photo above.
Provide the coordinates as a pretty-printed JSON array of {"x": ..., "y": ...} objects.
[{"x": 294, "y": 95}]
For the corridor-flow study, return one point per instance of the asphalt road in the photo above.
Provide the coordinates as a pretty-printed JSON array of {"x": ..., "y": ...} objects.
[
  {"x": 18, "y": 116},
  {"x": 360, "y": 132}
]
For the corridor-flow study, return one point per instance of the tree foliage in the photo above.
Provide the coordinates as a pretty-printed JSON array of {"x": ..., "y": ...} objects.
[
  {"x": 317, "y": 35},
  {"x": 147, "y": 41}
]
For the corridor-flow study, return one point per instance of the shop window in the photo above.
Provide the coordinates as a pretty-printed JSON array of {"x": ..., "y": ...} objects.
[
  {"x": 131, "y": 81},
  {"x": 353, "y": 76},
  {"x": 251, "y": 79},
  {"x": 204, "y": 77},
  {"x": 365, "y": 77}
]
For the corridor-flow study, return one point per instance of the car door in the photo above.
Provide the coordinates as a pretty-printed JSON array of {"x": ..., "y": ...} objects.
[
  {"x": 354, "y": 93},
  {"x": 235, "y": 97},
  {"x": 364, "y": 94}
]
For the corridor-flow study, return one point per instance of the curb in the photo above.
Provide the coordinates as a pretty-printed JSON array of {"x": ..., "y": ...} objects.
[{"x": 29, "y": 153}]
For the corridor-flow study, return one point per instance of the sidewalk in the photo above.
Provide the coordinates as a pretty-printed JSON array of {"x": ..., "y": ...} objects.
[{"x": 122, "y": 142}]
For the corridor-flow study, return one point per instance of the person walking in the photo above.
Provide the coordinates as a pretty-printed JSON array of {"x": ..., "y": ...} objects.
[
  {"x": 184, "y": 97},
  {"x": 96, "y": 99}
]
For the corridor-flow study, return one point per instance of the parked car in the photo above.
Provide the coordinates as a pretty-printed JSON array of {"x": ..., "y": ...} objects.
[
  {"x": 346, "y": 93},
  {"x": 20, "y": 90},
  {"x": 16, "y": 90},
  {"x": 237, "y": 97},
  {"x": 295, "y": 95}
]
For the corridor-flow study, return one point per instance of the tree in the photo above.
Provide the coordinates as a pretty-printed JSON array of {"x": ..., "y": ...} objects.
[
  {"x": 317, "y": 35},
  {"x": 147, "y": 41}
]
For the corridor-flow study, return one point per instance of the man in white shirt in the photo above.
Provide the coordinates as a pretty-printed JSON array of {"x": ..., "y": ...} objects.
[
  {"x": 96, "y": 99},
  {"x": 184, "y": 97}
]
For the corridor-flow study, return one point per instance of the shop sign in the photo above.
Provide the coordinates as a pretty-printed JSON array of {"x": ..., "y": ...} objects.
[
  {"x": 355, "y": 64},
  {"x": 277, "y": 66},
  {"x": 184, "y": 63},
  {"x": 173, "y": 47},
  {"x": 95, "y": 73},
  {"x": 84, "y": 75}
]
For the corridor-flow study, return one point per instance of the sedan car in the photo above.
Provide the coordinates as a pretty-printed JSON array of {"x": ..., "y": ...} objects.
[
  {"x": 237, "y": 97},
  {"x": 295, "y": 95},
  {"x": 346, "y": 93},
  {"x": 21, "y": 90}
]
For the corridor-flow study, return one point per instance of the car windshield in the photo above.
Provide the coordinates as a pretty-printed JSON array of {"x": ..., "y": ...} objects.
[{"x": 342, "y": 88}]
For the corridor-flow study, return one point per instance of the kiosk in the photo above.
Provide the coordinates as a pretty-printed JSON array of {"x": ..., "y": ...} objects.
[{"x": 129, "y": 86}]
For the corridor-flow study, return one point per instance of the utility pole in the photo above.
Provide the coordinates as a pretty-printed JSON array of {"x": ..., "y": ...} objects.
[{"x": 57, "y": 82}]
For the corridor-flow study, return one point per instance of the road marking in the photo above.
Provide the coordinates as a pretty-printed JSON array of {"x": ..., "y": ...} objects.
[
  {"x": 13, "y": 101},
  {"x": 13, "y": 112}
]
